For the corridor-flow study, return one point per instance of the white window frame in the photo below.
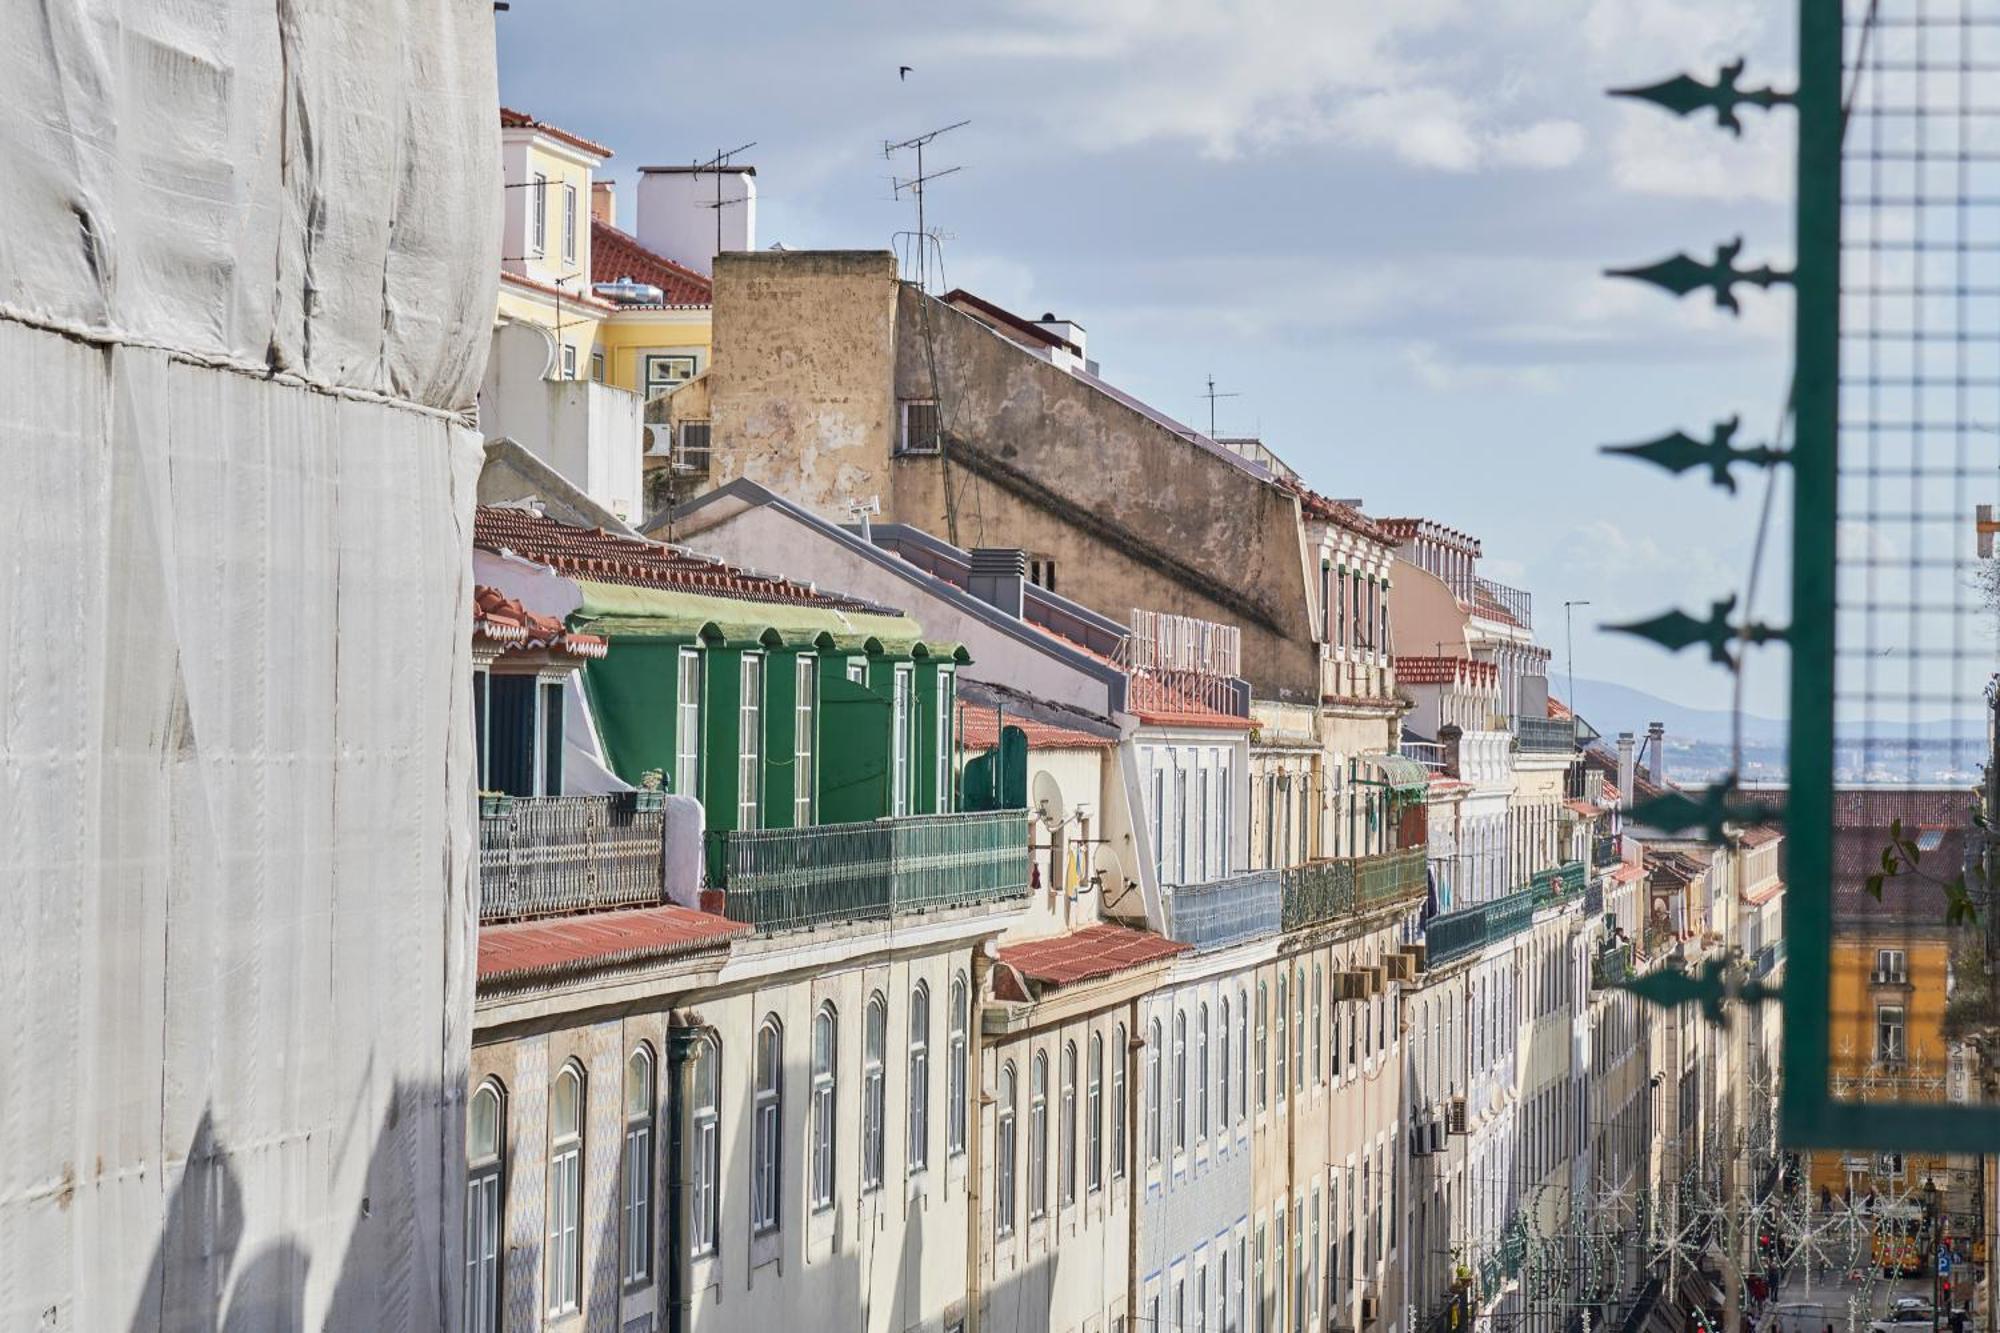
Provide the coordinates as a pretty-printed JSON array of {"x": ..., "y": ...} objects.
[
  {"x": 1004, "y": 1152},
  {"x": 767, "y": 1130},
  {"x": 569, "y": 222},
  {"x": 485, "y": 1209},
  {"x": 959, "y": 1020},
  {"x": 918, "y": 1150},
  {"x": 902, "y": 697},
  {"x": 1118, "y": 1057},
  {"x": 569, "y": 361},
  {"x": 1156, "y": 1077},
  {"x": 688, "y": 701},
  {"x": 1038, "y": 1137},
  {"x": 904, "y": 444},
  {"x": 805, "y": 740},
  {"x": 750, "y": 741},
  {"x": 538, "y": 215},
  {"x": 705, "y": 1148},
  {"x": 825, "y": 1106},
  {"x": 874, "y": 1092},
  {"x": 564, "y": 1275},
  {"x": 1094, "y": 1115},
  {"x": 662, "y": 371},
  {"x": 947, "y": 696},
  {"x": 637, "y": 1166},
  {"x": 1180, "y": 1082}
]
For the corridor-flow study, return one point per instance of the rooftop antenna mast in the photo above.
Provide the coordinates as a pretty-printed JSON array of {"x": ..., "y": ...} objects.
[
  {"x": 718, "y": 164},
  {"x": 1212, "y": 395},
  {"x": 915, "y": 187}
]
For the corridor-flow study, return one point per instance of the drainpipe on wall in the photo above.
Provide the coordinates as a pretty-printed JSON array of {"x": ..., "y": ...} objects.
[{"x": 682, "y": 1034}]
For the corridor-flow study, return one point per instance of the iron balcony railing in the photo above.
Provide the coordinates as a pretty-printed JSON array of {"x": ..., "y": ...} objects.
[
  {"x": 1225, "y": 911},
  {"x": 1767, "y": 959},
  {"x": 1593, "y": 897},
  {"x": 1512, "y": 603},
  {"x": 1611, "y": 966},
  {"x": 553, "y": 854},
  {"x": 1545, "y": 735},
  {"x": 1471, "y": 928},
  {"x": 789, "y": 879},
  {"x": 1318, "y": 891},
  {"x": 1428, "y": 753},
  {"x": 1604, "y": 850}
]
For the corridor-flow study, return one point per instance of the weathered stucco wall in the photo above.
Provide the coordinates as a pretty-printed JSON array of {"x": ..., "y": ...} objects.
[
  {"x": 1134, "y": 514},
  {"x": 801, "y": 388}
]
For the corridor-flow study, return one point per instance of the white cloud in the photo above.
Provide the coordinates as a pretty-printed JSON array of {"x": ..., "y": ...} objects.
[
  {"x": 1438, "y": 370},
  {"x": 1544, "y": 145}
]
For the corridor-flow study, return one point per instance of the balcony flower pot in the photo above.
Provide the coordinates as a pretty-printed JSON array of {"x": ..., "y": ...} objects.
[
  {"x": 495, "y": 805},
  {"x": 649, "y": 802}
]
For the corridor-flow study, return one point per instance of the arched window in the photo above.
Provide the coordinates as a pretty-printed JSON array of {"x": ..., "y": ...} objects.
[
  {"x": 919, "y": 1149},
  {"x": 1319, "y": 1025},
  {"x": 1094, "y": 1180},
  {"x": 1038, "y": 1137},
  {"x": 767, "y": 1121},
  {"x": 1066, "y": 1128},
  {"x": 1004, "y": 1163},
  {"x": 485, "y": 1174},
  {"x": 565, "y": 1209},
  {"x": 1201, "y": 1079},
  {"x": 825, "y": 1103},
  {"x": 1299, "y": 1030},
  {"x": 1263, "y": 1046},
  {"x": 705, "y": 1146},
  {"x": 1243, "y": 1050},
  {"x": 638, "y": 1165},
  {"x": 874, "y": 1095},
  {"x": 1157, "y": 1091},
  {"x": 960, "y": 1020},
  {"x": 1336, "y": 1046},
  {"x": 1118, "y": 1057},
  {"x": 1283, "y": 1045},
  {"x": 1222, "y": 1067},
  {"x": 1180, "y": 1081}
]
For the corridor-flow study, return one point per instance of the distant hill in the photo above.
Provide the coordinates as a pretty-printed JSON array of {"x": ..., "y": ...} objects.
[{"x": 1612, "y": 708}]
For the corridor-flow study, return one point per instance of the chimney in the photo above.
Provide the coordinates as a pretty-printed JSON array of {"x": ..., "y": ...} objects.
[
  {"x": 677, "y": 213},
  {"x": 603, "y": 206},
  {"x": 1656, "y": 745},
  {"x": 998, "y": 577},
  {"x": 1625, "y": 769},
  {"x": 1450, "y": 736},
  {"x": 1067, "y": 329}
]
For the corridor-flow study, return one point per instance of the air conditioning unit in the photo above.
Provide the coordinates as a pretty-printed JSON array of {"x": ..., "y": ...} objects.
[
  {"x": 1371, "y": 1309},
  {"x": 1399, "y": 967},
  {"x": 659, "y": 441},
  {"x": 1454, "y": 1115},
  {"x": 1436, "y": 1128},
  {"x": 1420, "y": 955},
  {"x": 1350, "y": 986},
  {"x": 1377, "y": 979}
]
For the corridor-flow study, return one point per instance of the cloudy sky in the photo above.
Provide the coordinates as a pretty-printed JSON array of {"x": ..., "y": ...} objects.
[{"x": 1380, "y": 224}]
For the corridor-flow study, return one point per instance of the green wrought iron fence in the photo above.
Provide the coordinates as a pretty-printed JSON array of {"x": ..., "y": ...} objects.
[
  {"x": 1329, "y": 890},
  {"x": 789, "y": 879},
  {"x": 547, "y": 855},
  {"x": 1469, "y": 929}
]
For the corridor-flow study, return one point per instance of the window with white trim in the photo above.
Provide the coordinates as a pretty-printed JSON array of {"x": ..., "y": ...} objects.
[
  {"x": 1038, "y": 1137},
  {"x": 637, "y": 1194},
  {"x": 750, "y": 743},
  {"x": 899, "y": 740},
  {"x": 705, "y": 1148},
  {"x": 874, "y": 1091},
  {"x": 805, "y": 739},
  {"x": 767, "y": 1121},
  {"x": 918, "y": 1151},
  {"x": 825, "y": 1049},
  {"x": 538, "y": 215},
  {"x": 1094, "y": 1113},
  {"x": 569, "y": 222},
  {"x": 955, "y": 1057},
  {"x": 1118, "y": 1057},
  {"x": 1004, "y": 1163},
  {"x": 687, "y": 724},
  {"x": 564, "y": 1278},
  {"x": 1066, "y": 1128},
  {"x": 485, "y": 1151}
]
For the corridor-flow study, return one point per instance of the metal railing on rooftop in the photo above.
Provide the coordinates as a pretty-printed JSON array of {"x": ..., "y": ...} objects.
[
  {"x": 1319, "y": 891},
  {"x": 1545, "y": 735},
  {"x": 1514, "y": 603},
  {"x": 1225, "y": 911},
  {"x": 1428, "y": 753},
  {"x": 789, "y": 879},
  {"x": 553, "y": 854}
]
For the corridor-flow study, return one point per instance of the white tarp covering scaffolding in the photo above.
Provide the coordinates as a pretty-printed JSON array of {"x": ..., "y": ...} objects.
[{"x": 247, "y": 265}]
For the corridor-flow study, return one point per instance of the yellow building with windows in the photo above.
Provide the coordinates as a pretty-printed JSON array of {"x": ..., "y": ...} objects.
[{"x": 593, "y": 321}]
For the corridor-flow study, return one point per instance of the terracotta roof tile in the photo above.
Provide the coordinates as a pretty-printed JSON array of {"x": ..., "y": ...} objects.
[
  {"x": 597, "y": 939},
  {"x": 1446, "y": 670},
  {"x": 511, "y": 119},
  {"x": 1936, "y": 819},
  {"x": 616, "y": 254},
  {"x": 1095, "y": 951},
  {"x": 1315, "y": 505},
  {"x": 605, "y": 557},
  {"x": 980, "y": 726},
  {"x": 1761, "y": 835},
  {"x": 1628, "y": 872},
  {"x": 1584, "y": 808},
  {"x": 501, "y": 619}
]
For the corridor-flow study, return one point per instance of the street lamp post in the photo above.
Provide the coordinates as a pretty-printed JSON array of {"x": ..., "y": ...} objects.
[{"x": 1569, "y": 656}]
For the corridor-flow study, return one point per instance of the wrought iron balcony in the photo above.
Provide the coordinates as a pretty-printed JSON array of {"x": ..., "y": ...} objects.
[
  {"x": 1611, "y": 967},
  {"x": 1489, "y": 598},
  {"x": 1604, "y": 850},
  {"x": 1224, "y": 911},
  {"x": 547, "y": 855},
  {"x": 1593, "y": 897},
  {"x": 1767, "y": 959},
  {"x": 1328, "y": 890},
  {"x": 791, "y": 879},
  {"x": 1545, "y": 735},
  {"x": 1469, "y": 929},
  {"x": 1557, "y": 883}
]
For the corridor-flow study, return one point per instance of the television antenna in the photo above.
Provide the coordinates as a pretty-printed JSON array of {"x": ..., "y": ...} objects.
[
  {"x": 1212, "y": 395},
  {"x": 718, "y": 164},
  {"x": 914, "y": 186}
]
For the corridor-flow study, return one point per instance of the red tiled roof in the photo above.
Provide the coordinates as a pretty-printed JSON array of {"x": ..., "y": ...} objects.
[
  {"x": 981, "y": 725},
  {"x": 521, "y": 120},
  {"x": 1584, "y": 808},
  {"x": 1558, "y": 710},
  {"x": 1409, "y": 529},
  {"x": 598, "y": 939},
  {"x": 616, "y": 254},
  {"x": 958, "y": 296},
  {"x": 1629, "y": 871},
  {"x": 1094, "y": 951},
  {"x": 608, "y": 558},
  {"x": 501, "y": 619},
  {"x": 1761, "y": 835},
  {"x": 1347, "y": 516},
  {"x": 1936, "y": 819},
  {"x": 1193, "y": 716},
  {"x": 1674, "y": 867}
]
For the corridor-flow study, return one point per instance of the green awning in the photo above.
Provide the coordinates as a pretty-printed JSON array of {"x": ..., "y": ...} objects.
[
  {"x": 1403, "y": 777},
  {"x": 618, "y": 609}
]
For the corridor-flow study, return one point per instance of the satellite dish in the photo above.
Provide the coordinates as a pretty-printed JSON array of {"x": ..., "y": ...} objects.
[
  {"x": 1108, "y": 870},
  {"x": 1046, "y": 797}
]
